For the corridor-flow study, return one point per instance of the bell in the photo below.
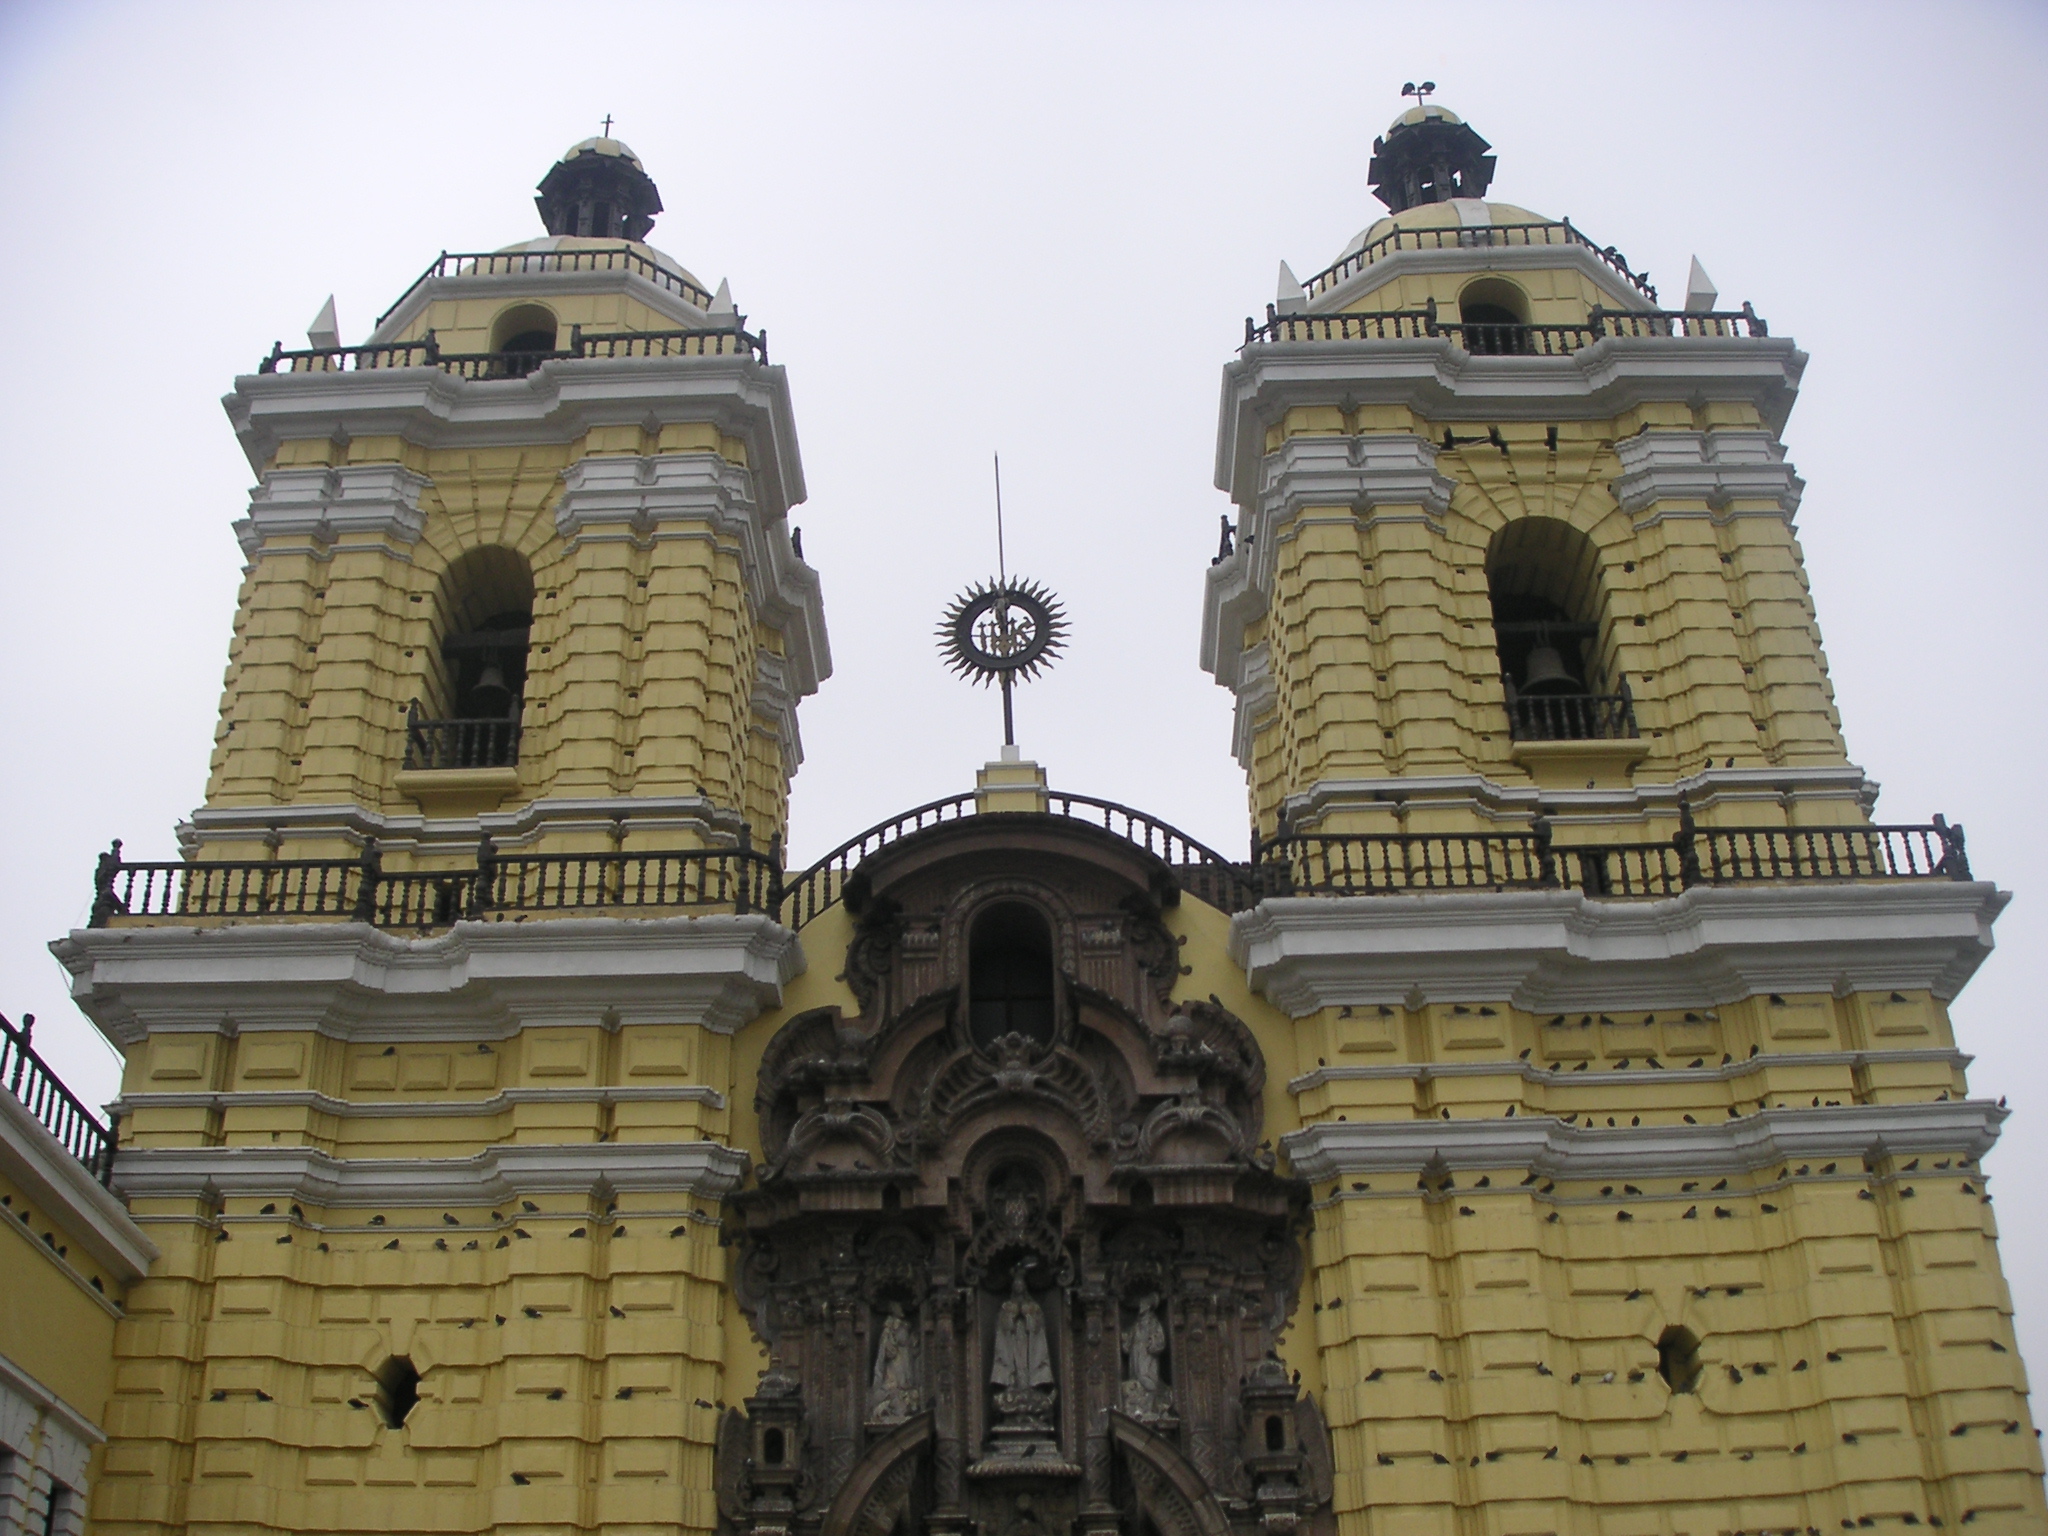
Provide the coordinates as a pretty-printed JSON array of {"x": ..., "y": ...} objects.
[
  {"x": 1546, "y": 674},
  {"x": 490, "y": 699}
]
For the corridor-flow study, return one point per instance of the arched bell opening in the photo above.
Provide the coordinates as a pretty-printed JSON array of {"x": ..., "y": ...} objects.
[
  {"x": 1543, "y": 579},
  {"x": 1495, "y": 315},
  {"x": 522, "y": 338},
  {"x": 1012, "y": 982},
  {"x": 468, "y": 714}
]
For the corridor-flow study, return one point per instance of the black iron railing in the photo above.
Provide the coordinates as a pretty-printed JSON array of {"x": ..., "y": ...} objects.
[
  {"x": 1368, "y": 864},
  {"x": 459, "y": 743},
  {"x": 716, "y": 341},
  {"x": 614, "y": 258},
  {"x": 43, "y": 1094},
  {"x": 1571, "y": 717},
  {"x": 1456, "y": 238},
  {"x": 740, "y": 879},
  {"x": 1505, "y": 340}
]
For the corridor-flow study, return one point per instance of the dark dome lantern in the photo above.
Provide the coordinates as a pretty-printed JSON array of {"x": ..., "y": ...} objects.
[
  {"x": 598, "y": 189},
  {"x": 1431, "y": 159}
]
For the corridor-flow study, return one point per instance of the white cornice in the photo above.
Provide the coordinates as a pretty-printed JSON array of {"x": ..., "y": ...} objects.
[
  {"x": 478, "y": 981},
  {"x": 1708, "y": 791},
  {"x": 1628, "y": 1077},
  {"x": 1477, "y": 259},
  {"x": 23, "y": 1400},
  {"x": 323, "y": 504},
  {"x": 1560, "y": 951},
  {"x": 615, "y": 496},
  {"x": 59, "y": 1185},
  {"x": 1440, "y": 381},
  {"x": 1550, "y": 1148},
  {"x": 558, "y": 402},
  {"x": 1718, "y": 468},
  {"x": 492, "y": 1176},
  {"x": 416, "y": 1109}
]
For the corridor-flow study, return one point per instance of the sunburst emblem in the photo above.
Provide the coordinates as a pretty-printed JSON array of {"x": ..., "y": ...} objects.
[{"x": 1003, "y": 631}]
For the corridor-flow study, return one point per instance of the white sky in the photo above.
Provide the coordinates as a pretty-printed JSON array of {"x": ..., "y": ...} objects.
[{"x": 1038, "y": 229}]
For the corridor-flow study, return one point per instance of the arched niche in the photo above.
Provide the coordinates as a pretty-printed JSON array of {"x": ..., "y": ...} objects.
[{"x": 1543, "y": 579}]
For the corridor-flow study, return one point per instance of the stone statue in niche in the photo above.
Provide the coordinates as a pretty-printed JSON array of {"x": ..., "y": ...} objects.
[
  {"x": 1022, "y": 1374},
  {"x": 892, "y": 1392},
  {"x": 1145, "y": 1393}
]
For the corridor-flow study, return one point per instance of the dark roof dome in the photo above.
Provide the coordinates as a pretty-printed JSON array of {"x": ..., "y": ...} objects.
[
  {"x": 1429, "y": 155},
  {"x": 600, "y": 189}
]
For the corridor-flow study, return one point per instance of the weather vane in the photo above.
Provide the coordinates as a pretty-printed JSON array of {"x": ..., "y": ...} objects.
[
  {"x": 1421, "y": 92},
  {"x": 1003, "y": 631}
]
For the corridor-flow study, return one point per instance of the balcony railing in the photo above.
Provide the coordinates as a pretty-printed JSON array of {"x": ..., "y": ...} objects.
[
  {"x": 361, "y": 890},
  {"x": 1571, "y": 717},
  {"x": 1503, "y": 340},
  {"x": 460, "y": 743},
  {"x": 615, "y": 258},
  {"x": 43, "y": 1095},
  {"x": 1487, "y": 237},
  {"x": 717, "y": 341}
]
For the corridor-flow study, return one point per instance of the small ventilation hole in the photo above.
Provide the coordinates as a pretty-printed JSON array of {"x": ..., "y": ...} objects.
[
  {"x": 398, "y": 1389},
  {"x": 1678, "y": 1359}
]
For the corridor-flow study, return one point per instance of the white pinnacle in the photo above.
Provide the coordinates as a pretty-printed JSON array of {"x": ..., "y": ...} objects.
[
  {"x": 325, "y": 332},
  {"x": 1699, "y": 290},
  {"x": 1293, "y": 298},
  {"x": 721, "y": 302}
]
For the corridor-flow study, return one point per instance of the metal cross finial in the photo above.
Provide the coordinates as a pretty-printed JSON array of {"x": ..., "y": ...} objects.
[
  {"x": 1421, "y": 92},
  {"x": 607, "y": 125}
]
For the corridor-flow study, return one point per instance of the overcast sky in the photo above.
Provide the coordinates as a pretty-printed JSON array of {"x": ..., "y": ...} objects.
[{"x": 1034, "y": 229}]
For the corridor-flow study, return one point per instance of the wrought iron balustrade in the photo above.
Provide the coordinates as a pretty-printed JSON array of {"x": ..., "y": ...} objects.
[
  {"x": 613, "y": 258},
  {"x": 439, "y": 744},
  {"x": 1485, "y": 237},
  {"x": 43, "y": 1094},
  {"x": 1571, "y": 717},
  {"x": 1489, "y": 339},
  {"x": 709, "y": 341}
]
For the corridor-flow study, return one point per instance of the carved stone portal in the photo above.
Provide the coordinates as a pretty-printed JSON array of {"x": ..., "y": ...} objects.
[{"x": 1017, "y": 1249}]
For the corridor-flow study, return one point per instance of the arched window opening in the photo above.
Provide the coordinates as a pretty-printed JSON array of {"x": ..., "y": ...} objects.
[
  {"x": 524, "y": 337},
  {"x": 1678, "y": 1359},
  {"x": 1276, "y": 1434},
  {"x": 398, "y": 1389},
  {"x": 1010, "y": 975},
  {"x": 1495, "y": 314},
  {"x": 470, "y": 717},
  {"x": 1543, "y": 577},
  {"x": 772, "y": 1447}
]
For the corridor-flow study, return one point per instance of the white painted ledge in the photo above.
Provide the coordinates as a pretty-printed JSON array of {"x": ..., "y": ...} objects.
[
  {"x": 59, "y": 1184},
  {"x": 1548, "y": 951}
]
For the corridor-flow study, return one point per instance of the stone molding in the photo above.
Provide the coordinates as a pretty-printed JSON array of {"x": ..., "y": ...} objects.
[
  {"x": 1708, "y": 792},
  {"x": 619, "y": 496},
  {"x": 773, "y": 703},
  {"x": 504, "y": 1100},
  {"x": 59, "y": 1184},
  {"x": 521, "y": 828},
  {"x": 492, "y": 1176},
  {"x": 560, "y": 401},
  {"x": 1550, "y": 1148},
  {"x": 1361, "y": 474},
  {"x": 478, "y": 981},
  {"x": 1547, "y": 951},
  {"x": 1440, "y": 381},
  {"x": 1718, "y": 468},
  {"x": 1475, "y": 259},
  {"x": 1628, "y": 1077},
  {"x": 48, "y": 1440},
  {"x": 1258, "y": 695},
  {"x": 322, "y": 504}
]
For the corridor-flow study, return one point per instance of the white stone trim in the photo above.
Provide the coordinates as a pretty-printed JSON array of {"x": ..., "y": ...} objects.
[
  {"x": 46, "y": 1440},
  {"x": 522, "y": 827},
  {"x": 478, "y": 981},
  {"x": 1440, "y": 381},
  {"x": 620, "y": 497},
  {"x": 1480, "y": 261},
  {"x": 1548, "y": 1147},
  {"x": 773, "y": 703},
  {"x": 490, "y": 1177},
  {"x": 1258, "y": 696},
  {"x": 1559, "y": 951},
  {"x": 560, "y": 401},
  {"x": 1718, "y": 468},
  {"x": 498, "y": 1103},
  {"x": 323, "y": 504},
  {"x": 59, "y": 1184},
  {"x": 1512, "y": 805}
]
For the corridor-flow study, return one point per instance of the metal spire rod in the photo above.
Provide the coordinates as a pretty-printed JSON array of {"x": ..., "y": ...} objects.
[{"x": 1003, "y": 607}]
